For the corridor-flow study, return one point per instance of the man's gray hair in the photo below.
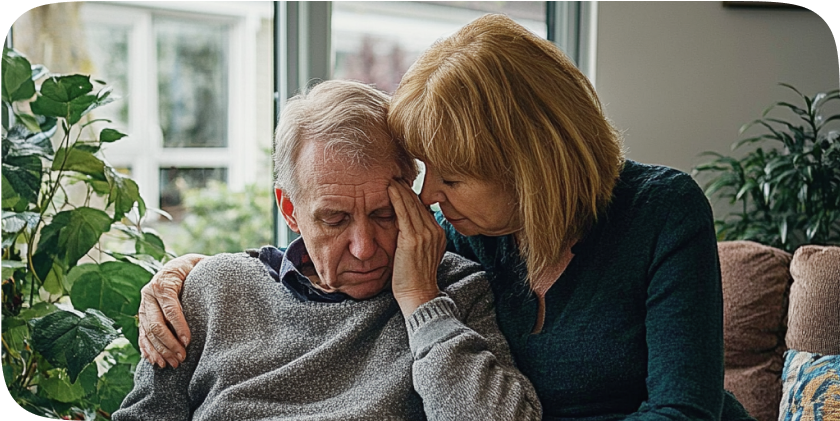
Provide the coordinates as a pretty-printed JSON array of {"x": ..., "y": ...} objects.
[{"x": 349, "y": 118}]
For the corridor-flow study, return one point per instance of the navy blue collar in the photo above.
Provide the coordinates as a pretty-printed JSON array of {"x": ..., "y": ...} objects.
[{"x": 287, "y": 267}]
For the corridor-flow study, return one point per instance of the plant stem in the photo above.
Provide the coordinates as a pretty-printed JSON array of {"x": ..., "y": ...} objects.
[{"x": 44, "y": 206}]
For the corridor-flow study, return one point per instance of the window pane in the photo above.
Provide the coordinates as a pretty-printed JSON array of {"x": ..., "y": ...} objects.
[
  {"x": 108, "y": 48},
  {"x": 175, "y": 181},
  {"x": 192, "y": 83},
  {"x": 376, "y": 42}
]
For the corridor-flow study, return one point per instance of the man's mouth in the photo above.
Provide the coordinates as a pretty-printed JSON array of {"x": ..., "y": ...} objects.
[{"x": 361, "y": 275}]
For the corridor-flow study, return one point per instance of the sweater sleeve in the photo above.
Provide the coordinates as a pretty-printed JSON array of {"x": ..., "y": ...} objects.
[
  {"x": 462, "y": 364},
  {"x": 164, "y": 393},
  {"x": 684, "y": 318},
  {"x": 158, "y": 394}
]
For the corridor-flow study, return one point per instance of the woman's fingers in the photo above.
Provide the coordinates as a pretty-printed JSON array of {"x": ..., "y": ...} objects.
[
  {"x": 416, "y": 259},
  {"x": 413, "y": 211},
  {"x": 160, "y": 343},
  {"x": 160, "y": 308}
]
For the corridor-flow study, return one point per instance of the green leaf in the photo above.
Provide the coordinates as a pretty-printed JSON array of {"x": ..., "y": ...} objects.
[
  {"x": 749, "y": 185},
  {"x": 14, "y": 221},
  {"x": 22, "y": 141},
  {"x": 74, "y": 159},
  {"x": 10, "y": 196},
  {"x": 23, "y": 176},
  {"x": 15, "y": 333},
  {"x": 48, "y": 107},
  {"x": 65, "y": 89},
  {"x": 88, "y": 378},
  {"x": 30, "y": 122},
  {"x": 17, "y": 77},
  {"x": 38, "y": 310},
  {"x": 7, "y": 115},
  {"x": 113, "y": 288},
  {"x": 59, "y": 387},
  {"x": 56, "y": 279},
  {"x": 110, "y": 135},
  {"x": 129, "y": 328},
  {"x": 152, "y": 245},
  {"x": 71, "y": 234},
  {"x": 113, "y": 386},
  {"x": 68, "y": 97},
  {"x": 123, "y": 193},
  {"x": 827, "y": 120},
  {"x": 10, "y": 372},
  {"x": 9, "y": 267},
  {"x": 783, "y": 230},
  {"x": 100, "y": 187},
  {"x": 90, "y": 148},
  {"x": 71, "y": 339}
]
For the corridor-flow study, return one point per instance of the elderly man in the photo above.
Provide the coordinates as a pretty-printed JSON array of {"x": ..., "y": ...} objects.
[{"x": 329, "y": 329}]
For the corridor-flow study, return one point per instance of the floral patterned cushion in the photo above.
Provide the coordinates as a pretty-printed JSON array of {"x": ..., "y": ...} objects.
[{"x": 811, "y": 387}]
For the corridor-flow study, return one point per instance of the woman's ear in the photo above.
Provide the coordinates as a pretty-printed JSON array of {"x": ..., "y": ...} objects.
[{"x": 287, "y": 208}]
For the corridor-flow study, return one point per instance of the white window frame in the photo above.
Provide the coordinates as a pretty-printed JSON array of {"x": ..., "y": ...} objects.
[
  {"x": 143, "y": 149},
  {"x": 575, "y": 31}
]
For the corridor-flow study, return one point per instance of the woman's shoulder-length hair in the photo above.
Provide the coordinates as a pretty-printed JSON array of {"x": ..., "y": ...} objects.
[{"x": 495, "y": 101}]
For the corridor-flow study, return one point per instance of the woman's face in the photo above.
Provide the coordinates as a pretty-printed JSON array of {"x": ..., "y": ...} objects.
[{"x": 473, "y": 206}]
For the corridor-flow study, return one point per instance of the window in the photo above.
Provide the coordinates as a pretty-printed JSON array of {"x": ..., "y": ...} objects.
[
  {"x": 196, "y": 84},
  {"x": 376, "y": 42}
]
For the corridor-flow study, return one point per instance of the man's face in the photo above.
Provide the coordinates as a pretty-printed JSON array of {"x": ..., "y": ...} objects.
[{"x": 346, "y": 219}]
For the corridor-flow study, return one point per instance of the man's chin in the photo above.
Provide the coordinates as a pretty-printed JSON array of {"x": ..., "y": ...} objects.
[{"x": 367, "y": 291}]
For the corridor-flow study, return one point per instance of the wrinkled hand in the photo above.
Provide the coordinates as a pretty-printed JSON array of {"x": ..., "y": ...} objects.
[
  {"x": 420, "y": 247},
  {"x": 160, "y": 307}
]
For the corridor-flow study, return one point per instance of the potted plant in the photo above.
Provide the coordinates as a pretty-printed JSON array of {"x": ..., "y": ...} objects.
[
  {"x": 69, "y": 304},
  {"x": 787, "y": 188}
]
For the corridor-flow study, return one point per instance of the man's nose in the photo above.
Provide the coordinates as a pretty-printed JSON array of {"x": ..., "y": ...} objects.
[{"x": 362, "y": 242}]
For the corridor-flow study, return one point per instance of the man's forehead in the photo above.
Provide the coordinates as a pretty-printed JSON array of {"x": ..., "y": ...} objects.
[{"x": 372, "y": 192}]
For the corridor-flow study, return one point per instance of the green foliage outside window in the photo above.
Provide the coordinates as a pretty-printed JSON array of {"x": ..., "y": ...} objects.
[
  {"x": 222, "y": 221},
  {"x": 69, "y": 304}
]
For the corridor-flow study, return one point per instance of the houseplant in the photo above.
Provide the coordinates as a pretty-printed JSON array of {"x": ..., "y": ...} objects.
[
  {"x": 69, "y": 304},
  {"x": 787, "y": 187}
]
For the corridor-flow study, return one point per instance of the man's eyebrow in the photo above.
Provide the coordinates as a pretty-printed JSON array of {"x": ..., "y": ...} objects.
[
  {"x": 326, "y": 212},
  {"x": 386, "y": 208}
]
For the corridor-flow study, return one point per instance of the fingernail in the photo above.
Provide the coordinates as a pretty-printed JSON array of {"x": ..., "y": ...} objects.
[
  {"x": 184, "y": 340},
  {"x": 180, "y": 357}
]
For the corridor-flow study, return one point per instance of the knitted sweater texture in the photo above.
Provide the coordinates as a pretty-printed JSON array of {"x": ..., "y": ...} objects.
[{"x": 257, "y": 353}]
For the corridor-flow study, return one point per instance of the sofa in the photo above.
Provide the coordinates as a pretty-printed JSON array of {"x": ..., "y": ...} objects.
[{"x": 782, "y": 330}]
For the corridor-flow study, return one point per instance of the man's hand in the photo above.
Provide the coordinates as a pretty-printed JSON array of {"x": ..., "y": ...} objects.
[
  {"x": 420, "y": 247},
  {"x": 160, "y": 308}
]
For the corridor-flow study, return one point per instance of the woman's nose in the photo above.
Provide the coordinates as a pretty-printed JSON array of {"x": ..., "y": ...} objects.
[{"x": 430, "y": 192}]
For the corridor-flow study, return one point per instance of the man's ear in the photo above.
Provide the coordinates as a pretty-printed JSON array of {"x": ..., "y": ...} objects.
[{"x": 287, "y": 208}]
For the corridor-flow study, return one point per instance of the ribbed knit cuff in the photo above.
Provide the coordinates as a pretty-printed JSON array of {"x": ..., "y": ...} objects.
[{"x": 440, "y": 307}]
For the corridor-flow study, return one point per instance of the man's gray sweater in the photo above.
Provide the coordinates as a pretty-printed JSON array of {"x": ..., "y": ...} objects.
[{"x": 258, "y": 353}]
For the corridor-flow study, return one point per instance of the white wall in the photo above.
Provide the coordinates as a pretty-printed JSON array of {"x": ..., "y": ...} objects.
[{"x": 680, "y": 78}]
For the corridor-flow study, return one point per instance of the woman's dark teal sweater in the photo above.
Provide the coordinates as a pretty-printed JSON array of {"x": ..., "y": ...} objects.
[{"x": 633, "y": 327}]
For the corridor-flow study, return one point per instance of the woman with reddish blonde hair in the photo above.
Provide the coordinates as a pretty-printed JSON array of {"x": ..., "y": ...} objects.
[{"x": 604, "y": 271}]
